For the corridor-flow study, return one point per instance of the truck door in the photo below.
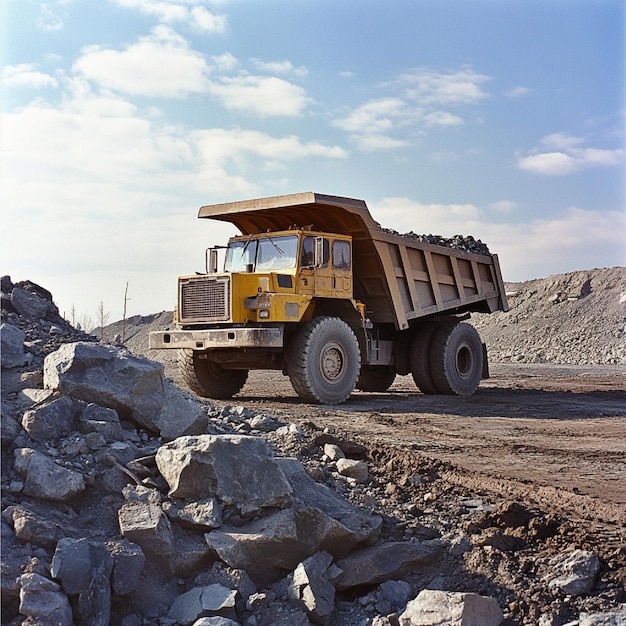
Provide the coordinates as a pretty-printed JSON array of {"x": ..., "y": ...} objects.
[{"x": 326, "y": 268}]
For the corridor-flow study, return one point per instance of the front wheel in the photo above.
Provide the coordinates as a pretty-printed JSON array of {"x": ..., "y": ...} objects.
[
  {"x": 456, "y": 356},
  {"x": 324, "y": 361},
  {"x": 207, "y": 378}
]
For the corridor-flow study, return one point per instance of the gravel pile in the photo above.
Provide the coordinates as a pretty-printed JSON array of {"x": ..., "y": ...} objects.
[{"x": 577, "y": 318}]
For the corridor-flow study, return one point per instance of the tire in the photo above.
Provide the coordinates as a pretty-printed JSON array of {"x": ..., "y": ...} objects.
[
  {"x": 376, "y": 377},
  {"x": 324, "y": 361},
  {"x": 456, "y": 359},
  {"x": 207, "y": 379},
  {"x": 420, "y": 358}
]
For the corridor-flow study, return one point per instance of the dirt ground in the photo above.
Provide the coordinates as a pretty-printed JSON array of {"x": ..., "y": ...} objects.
[{"x": 551, "y": 435}]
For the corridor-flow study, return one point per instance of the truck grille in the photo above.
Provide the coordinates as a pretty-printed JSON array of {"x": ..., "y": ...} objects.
[{"x": 204, "y": 299}]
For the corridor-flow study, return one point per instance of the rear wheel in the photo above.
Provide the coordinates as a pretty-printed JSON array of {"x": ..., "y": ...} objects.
[
  {"x": 324, "y": 361},
  {"x": 207, "y": 378},
  {"x": 456, "y": 359},
  {"x": 376, "y": 377},
  {"x": 420, "y": 358}
]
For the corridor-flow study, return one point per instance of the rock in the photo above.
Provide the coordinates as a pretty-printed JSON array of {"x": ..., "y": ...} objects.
[
  {"x": 333, "y": 452},
  {"x": 610, "y": 618},
  {"x": 201, "y": 602},
  {"x": 237, "y": 469},
  {"x": 12, "y": 347},
  {"x": 451, "y": 608},
  {"x": 128, "y": 562},
  {"x": 42, "y": 600},
  {"x": 574, "y": 573},
  {"x": 266, "y": 548},
  {"x": 203, "y": 515},
  {"x": 179, "y": 415},
  {"x": 110, "y": 377},
  {"x": 384, "y": 561},
  {"x": 45, "y": 479},
  {"x": 215, "y": 621},
  {"x": 353, "y": 469},
  {"x": 341, "y": 526},
  {"x": 31, "y": 305},
  {"x": 146, "y": 525},
  {"x": 103, "y": 420},
  {"x": 9, "y": 430},
  {"x": 52, "y": 420},
  {"x": 264, "y": 423},
  {"x": 32, "y": 528},
  {"x": 312, "y": 589},
  {"x": 84, "y": 568},
  {"x": 396, "y": 592}
]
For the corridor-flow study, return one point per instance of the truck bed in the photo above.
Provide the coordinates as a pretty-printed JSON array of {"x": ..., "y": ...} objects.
[{"x": 399, "y": 278}]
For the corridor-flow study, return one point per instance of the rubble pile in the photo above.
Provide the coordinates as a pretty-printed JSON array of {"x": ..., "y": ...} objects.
[
  {"x": 457, "y": 242},
  {"x": 577, "y": 318},
  {"x": 128, "y": 501}
]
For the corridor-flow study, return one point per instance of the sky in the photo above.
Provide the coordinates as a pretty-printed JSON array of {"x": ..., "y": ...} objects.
[{"x": 500, "y": 119}]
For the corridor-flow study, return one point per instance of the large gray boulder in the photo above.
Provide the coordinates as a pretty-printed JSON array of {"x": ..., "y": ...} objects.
[
  {"x": 12, "y": 346},
  {"x": 340, "y": 526},
  {"x": 52, "y": 420},
  {"x": 31, "y": 305},
  {"x": 112, "y": 377},
  {"x": 147, "y": 525},
  {"x": 239, "y": 470},
  {"x": 311, "y": 587},
  {"x": 211, "y": 600},
  {"x": 384, "y": 561},
  {"x": 43, "y": 478},
  {"x": 451, "y": 608},
  {"x": 266, "y": 548},
  {"x": 573, "y": 573},
  {"x": 84, "y": 569},
  {"x": 43, "y": 602}
]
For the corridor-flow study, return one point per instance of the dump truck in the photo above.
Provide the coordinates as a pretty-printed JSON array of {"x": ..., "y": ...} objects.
[{"x": 315, "y": 287}]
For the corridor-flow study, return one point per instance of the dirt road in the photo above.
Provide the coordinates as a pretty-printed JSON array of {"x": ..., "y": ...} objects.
[{"x": 555, "y": 435}]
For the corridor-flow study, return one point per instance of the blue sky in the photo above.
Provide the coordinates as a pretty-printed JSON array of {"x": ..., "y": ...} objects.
[{"x": 502, "y": 119}]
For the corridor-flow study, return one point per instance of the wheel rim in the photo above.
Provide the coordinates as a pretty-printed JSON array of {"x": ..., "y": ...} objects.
[
  {"x": 464, "y": 361},
  {"x": 332, "y": 362}
]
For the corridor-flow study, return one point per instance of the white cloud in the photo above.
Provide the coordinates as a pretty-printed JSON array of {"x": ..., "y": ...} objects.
[
  {"x": 48, "y": 19},
  {"x": 517, "y": 92},
  {"x": 503, "y": 206},
  {"x": 278, "y": 67},
  {"x": 26, "y": 75},
  {"x": 262, "y": 95},
  {"x": 442, "y": 118},
  {"x": 560, "y": 154},
  {"x": 458, "y": 87},
  {"x": 382, "y": 123},
  {"x": 158, "y": 65},
  {"x": 198, "y": 17}
]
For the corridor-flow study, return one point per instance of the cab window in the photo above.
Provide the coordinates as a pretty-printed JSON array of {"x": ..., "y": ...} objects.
[
  {"x": 307, "y": 256},
  {"x": 341, "y": 255}
]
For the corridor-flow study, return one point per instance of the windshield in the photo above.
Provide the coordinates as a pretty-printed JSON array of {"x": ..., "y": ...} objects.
[
  {"x": 265, "y": 255},
  {"x": 239, "y": 254}
]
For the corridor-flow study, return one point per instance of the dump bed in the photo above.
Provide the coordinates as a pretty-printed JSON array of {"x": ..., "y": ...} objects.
[{"x": 399, "y": 278}]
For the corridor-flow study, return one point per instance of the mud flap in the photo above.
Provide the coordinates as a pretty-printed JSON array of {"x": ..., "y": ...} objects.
[{"x": 485, "y": 373}]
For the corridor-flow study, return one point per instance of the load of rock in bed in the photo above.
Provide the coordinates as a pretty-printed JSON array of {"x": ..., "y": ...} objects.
[
  {"x": 127, "y": 501},
  {"x": 457, "y": 242}
]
